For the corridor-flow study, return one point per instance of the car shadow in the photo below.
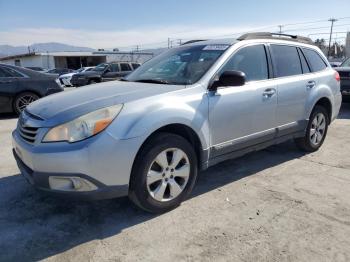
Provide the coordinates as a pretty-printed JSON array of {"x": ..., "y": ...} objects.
[
  {"x": 4, "y": 116},
  {"x": 35, "y": 226}
]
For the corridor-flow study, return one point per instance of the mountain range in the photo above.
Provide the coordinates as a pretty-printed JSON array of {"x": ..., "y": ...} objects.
[{"x": 8, "y": 50}]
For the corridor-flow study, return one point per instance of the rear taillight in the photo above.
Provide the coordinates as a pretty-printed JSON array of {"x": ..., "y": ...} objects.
[{"x": 337, "y": 76}]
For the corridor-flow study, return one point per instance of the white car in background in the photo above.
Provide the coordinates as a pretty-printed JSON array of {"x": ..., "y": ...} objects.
[{"x": 64, "y": 80}]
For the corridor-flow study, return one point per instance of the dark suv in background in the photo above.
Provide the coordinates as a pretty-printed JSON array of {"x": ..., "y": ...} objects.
[
  {"x": 20, "y": 86},
  {"x": 344, "y": 72},
  {"x": 104, "y": 72}
]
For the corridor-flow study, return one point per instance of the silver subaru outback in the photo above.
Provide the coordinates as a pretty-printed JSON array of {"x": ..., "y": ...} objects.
[{"x": 148, "y": 135}]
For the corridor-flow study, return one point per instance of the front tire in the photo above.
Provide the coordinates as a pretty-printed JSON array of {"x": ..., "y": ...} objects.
[
  {"x": 164, "y": 173},
  {"x": 316, "y": 130},
  {"x": 22, "y": 100}
]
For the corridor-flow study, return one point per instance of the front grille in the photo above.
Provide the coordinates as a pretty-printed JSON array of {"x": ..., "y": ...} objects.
[{"x": 28, "y": 133}]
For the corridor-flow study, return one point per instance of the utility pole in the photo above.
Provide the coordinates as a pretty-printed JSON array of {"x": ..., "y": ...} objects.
[
  {"x": 280, "y": 27},
  {"x": 332, "y": 20},
  {"x": 168, "y": 42}
]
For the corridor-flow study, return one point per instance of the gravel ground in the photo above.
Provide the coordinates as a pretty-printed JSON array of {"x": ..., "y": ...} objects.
[{"x": 274, "y": 205}]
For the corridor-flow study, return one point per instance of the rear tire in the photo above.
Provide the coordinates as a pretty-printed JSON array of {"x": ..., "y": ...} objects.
[
  {"x": 22, "y": 100},
  {"x": 164, "y": 173},
  {"x": 316, "y": 131}
]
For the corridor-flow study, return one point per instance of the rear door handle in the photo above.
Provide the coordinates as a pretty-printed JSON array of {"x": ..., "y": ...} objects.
[
  {"x": 269, "y": 92},
  {"x": 310, "y": 84}
]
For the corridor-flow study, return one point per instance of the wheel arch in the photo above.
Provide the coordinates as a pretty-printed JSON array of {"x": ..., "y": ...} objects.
[
  {"x": 325, "y": 103},
  {"x": 184, "y": 131}
]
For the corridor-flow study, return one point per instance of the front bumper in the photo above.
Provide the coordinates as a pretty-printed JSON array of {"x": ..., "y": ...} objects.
[
  {"x": 102, "y": 161},
  {"x": 41, "y": 182}
]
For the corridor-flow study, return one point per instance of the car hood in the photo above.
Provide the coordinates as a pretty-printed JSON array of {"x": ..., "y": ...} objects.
[{"x": 65, "y": 106}]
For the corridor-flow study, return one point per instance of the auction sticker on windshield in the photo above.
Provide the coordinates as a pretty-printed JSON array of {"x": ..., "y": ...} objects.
[{"x": 216, "y": 47}]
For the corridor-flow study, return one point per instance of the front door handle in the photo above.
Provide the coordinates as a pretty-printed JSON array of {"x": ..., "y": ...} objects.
[
  {"x": 310, "y": 84},
  {"x": 269, "y": 92}
]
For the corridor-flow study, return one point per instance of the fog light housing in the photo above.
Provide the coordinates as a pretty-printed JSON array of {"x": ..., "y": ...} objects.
[{"x": 73, "y": 184}]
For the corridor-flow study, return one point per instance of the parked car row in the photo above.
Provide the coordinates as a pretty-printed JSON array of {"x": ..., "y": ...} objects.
[
  {"x": 21, "y": 86},
  {"x": 103, "y": 72},
  {"x": 65, "y": 79}
]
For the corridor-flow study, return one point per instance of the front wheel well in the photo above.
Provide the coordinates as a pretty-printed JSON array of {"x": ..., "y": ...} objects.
[
  {"x": 325, "y": 103},
  {"x": 184, "y": 131}
]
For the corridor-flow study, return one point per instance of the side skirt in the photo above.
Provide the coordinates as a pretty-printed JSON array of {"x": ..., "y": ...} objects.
[{"x": 259, "y": 145}]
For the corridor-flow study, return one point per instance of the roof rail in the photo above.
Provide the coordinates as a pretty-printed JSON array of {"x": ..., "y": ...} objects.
[
  {"x": 268, "y": 35},
  {"x": 193, "y": 41}
]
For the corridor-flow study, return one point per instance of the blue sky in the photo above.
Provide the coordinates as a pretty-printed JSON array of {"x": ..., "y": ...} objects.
[{"x": 110, "y": 23}]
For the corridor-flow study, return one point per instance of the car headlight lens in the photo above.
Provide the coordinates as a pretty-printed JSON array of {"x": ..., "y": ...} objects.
[{"x": 84, "y": 126}]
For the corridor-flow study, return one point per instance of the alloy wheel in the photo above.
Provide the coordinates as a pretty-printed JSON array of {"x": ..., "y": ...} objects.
[
  {"x": 168, "y": 174},
  {"x": 23, "y": 101},
  {"x": 317, "y": 129}
]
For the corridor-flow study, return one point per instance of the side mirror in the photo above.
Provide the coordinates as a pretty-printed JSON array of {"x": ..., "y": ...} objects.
[{"x": 229, "y": 78}]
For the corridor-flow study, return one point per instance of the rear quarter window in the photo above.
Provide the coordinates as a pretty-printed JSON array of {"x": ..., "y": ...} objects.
[{"x": 315, "y": 61}]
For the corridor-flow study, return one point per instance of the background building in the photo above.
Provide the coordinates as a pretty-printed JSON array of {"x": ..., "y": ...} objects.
[{"x": 74, "y": 59}]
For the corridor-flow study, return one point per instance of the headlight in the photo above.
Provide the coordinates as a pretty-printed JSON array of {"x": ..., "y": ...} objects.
[{"x": 84, "y": 126}]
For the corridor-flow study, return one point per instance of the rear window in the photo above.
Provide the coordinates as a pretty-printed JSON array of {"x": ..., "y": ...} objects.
[
  {"x": 286, "y": 60},
  {"x": 125, "y": 67},
  {"x": 315, "y": 60}
]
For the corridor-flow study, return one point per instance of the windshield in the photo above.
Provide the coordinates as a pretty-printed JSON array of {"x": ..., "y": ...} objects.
[
  {"x": 100, "y": 67},
  {"x": 179, "y": 66},
  {"x": 346, "y": 63}
]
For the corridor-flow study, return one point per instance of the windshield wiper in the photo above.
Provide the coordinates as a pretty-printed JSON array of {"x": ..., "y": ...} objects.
[
  {"x": 123, "y": 79},
  {"x": 155, "y": 81}
]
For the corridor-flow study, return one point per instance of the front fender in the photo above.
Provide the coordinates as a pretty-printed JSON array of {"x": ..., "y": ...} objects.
[{"x": 142, "y": 119}]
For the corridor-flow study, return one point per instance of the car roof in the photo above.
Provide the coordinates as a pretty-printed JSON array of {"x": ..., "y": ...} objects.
[{"x": 224, "y": 41}]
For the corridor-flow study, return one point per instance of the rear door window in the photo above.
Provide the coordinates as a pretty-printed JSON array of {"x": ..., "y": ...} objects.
[
  {"x": 125, "y": 67},
  {"x": 286, "y": 60},
  {"x": 315, "y": 60}
]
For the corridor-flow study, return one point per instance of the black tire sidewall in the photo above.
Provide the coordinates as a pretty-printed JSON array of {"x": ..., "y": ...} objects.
[
  {"x": 138, "y": 186},
  {"x": 317, "y": 110}
]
